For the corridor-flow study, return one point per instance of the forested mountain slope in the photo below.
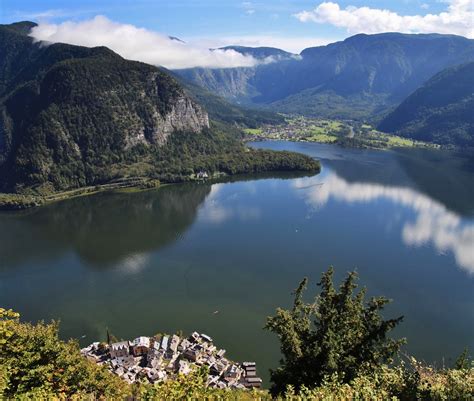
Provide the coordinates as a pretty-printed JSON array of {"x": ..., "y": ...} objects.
[
  {"x": 72, "y": 116},
  {"x": 442, "y": 110}
]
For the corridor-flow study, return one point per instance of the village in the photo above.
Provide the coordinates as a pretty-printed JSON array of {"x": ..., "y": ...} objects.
[
  {"x": 161, "y": 358},
  {"x": 302, "y": 129}
]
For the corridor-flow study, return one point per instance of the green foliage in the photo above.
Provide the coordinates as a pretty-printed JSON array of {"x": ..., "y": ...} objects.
[
  {"x": 441, "y": 111},
  {"x": 8, "y": 318},
  {"x": 406, "y": 383},
  {"x": 328, "y": 104},
  {"x": 34, "y": 363},
  {"x": 336, "y": 334},
  {"x": 463, "y": 361}
]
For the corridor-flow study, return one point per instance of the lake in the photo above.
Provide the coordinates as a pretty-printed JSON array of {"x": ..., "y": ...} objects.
[{"x": 220, "y": 258}]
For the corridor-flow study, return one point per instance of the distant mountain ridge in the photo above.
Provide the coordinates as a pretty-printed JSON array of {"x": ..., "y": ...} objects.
[
  {"x": 441, "y": 111},
  {"x": 377, "y": 70},
  {"x": 261, "y": 53}
]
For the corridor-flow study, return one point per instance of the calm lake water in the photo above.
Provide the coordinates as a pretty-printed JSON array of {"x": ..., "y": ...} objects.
[{"x": 169, "y": 259}]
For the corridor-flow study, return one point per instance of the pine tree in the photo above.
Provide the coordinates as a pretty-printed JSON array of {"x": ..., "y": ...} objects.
[{"x": 339, "y": 333}]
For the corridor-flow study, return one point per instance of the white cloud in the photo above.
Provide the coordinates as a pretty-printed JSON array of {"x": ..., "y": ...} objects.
[
  {"x": 134, "y": 263},
  {"x": 138, "y": 44},
  {"x": 457, "y": 19},
  {"x": 248, "y": 7},
  {"x": 433, "y": 224}
]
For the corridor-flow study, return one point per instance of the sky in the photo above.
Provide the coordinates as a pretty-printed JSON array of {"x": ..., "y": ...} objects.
[{"x": 139, "y": 29}]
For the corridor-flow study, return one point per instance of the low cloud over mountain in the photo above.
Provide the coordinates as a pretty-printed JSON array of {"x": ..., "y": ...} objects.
[{"x": 139, "y": 44}]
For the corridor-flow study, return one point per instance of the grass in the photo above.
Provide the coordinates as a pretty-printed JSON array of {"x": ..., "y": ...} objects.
[
  {"x": 334, "y": 131},
  {"x": 322, "y": 138},
  {"x": 333, "y": 125},
  {"x": 394, "y": 141},
  {"x": 253, "y": 131}
]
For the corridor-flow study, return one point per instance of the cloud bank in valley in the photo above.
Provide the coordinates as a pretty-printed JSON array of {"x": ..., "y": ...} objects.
[
  {"x": 457, "y": 19},
  {"x": 433, "y": 223},
  {"x": 139, "y": 44}
]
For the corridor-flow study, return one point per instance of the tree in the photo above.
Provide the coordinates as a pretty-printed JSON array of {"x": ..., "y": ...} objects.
[
  {"x": 8, "y": 318},
  {"x": 463, "y": 361},
  {"x": 337, "y": 334},
  {"x": 36, "y": 364}
]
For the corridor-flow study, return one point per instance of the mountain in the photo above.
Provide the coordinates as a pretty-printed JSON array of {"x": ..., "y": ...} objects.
[
  {"x": 72, "y": 116},
  {"x": 441, "y": 111},
  {"x": 355, "y": 78},
  {"x": 234, "y": 84},
  {"x": 16, "y": 50},
  {"x": 70, "y": 107},
  {"x": 261, "y": 53},
  {"x": 224, "y": 111}
]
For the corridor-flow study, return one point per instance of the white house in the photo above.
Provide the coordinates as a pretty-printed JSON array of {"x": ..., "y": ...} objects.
[{"x": 141, "y": 345}]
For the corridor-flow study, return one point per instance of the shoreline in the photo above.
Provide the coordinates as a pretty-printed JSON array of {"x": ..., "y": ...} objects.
[
  {"x": 11, "y": 202},
  {"x": 19, "y": 202},
  {"x": 211, "y": 167},
  {"x": 361, "y": 145}
]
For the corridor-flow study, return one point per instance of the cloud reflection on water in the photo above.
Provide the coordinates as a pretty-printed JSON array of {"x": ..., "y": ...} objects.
[
  {"x": 434, "y": 223},
  {"x": 217, "y": 210}
]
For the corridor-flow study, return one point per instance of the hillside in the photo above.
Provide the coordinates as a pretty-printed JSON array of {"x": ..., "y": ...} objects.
[
  {"x": 72, "y": 116},
  {"x": 375, "y": 71},
  {"x": 235, "y": 84},
  {"x": 440, "y": 111},
  {"x": 224, "y": 111},
  {"x": 231, "y": 83}
]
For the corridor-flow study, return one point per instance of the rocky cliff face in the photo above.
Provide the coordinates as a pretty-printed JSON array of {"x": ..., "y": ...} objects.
[{"x": 185, "y": 115}]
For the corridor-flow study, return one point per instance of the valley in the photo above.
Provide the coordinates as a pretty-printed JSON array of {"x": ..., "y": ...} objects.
[{"x": 158, "y": 186}]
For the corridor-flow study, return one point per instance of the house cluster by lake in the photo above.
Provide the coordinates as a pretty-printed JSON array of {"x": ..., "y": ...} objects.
[
  {"x": 300, "y": 129},
  {"x": 164, "y": 357}
]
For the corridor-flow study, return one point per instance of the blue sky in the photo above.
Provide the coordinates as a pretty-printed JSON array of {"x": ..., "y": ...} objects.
[
  {"x": 206, "y": 18},
  {"x": 291, "y": 25}
]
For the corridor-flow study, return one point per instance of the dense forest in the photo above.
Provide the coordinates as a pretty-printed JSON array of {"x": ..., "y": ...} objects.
[{"x": 441, "y": 111}]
